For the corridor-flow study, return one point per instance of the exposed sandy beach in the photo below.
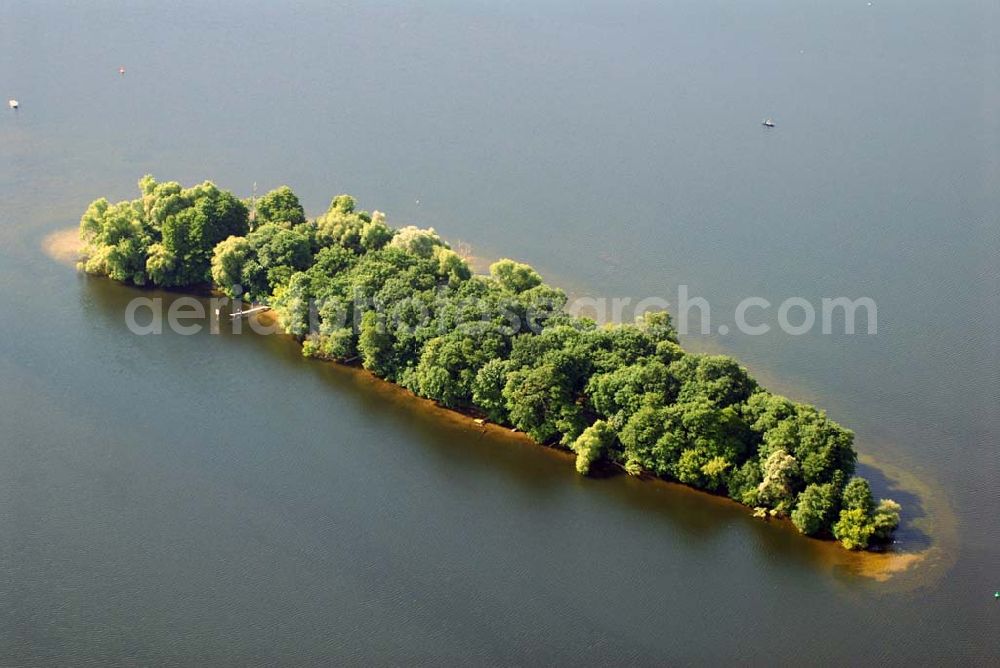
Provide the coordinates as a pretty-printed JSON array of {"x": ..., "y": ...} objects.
[{"x": 63, "y": 246}]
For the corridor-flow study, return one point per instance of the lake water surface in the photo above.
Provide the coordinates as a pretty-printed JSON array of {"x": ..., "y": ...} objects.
[{"x": 217, "y": 499}]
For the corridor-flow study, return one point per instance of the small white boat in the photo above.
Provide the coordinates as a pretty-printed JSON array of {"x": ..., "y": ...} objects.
[
  {"x": 768, "y": 123},
  {"x": 13, "y": 104}
]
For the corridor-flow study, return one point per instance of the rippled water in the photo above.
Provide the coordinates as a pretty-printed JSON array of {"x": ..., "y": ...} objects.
[{"x": 219, "y": 499}]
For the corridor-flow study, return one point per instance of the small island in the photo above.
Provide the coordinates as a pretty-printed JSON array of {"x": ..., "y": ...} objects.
[{"x": 501, "y": 347}]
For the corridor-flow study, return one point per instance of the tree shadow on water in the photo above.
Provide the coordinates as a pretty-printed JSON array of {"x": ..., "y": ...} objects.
[{"x": 908, "y": 536}]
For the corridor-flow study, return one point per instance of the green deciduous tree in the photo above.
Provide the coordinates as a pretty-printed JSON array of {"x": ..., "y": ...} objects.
[
  {"x": 857, "y": 495},
  {"x": 116, "y": 241},
  {"x": 540, "y": 402},
  {"x": 375, "y": 345},
  {"x": 620, "y": 393},
  {"x": 514, "y": 276},
  {"x": 487, "y": 389},
  {"x": 816, "y": 508},
  {"x": 375, "y": 234},
  {"x": 861, "y": 520},
  {"x": 280, "y": 206},
  {"x": 451, "y": 268},
  {"x": 885, "y": 519},
  {"x": 449, "y": 365},
  {"x": 166, "y": 236},
  {"x": 421, "y": 243},
  {"x": 854, "y": 529},
  {"x": 191, "y": 234},
  {"x": 228, "y": 262},
  {"x": 781, "y": 478},
  {"x": 591, "y": 446},
  {"x": 717, "y": 378}
]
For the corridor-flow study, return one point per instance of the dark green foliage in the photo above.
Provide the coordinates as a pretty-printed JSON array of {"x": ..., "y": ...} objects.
[
  {"x": 375, "y": 345},
  {"x": 449, "y": 365},
  {"x": 487, "y": 390},
  {"x": 717, "y": 378},
  {"x": 744, "y": 483},
  {"x": 408, "y": 307},
  {"x": 858, "y": 496},
  {"x": 861, "y": 520},
  {"x": 652, "y": 441},
  {"x": 540, "y": 401},
  {"x": 618, "y": 394},
  {"x": 816, "y": 509},
  {"x": 191, "y": 234},
  {"x": 262, "y": 261}
]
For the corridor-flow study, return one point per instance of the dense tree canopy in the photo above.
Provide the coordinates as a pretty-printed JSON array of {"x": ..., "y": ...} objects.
[
  {"x": 280, "y": 206},
  {"x": 167, "y": 237},
  {"x": 409, "y": 309}
]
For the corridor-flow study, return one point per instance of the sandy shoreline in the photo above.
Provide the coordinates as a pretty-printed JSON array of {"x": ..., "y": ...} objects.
[{"x": 63, "y": 246}]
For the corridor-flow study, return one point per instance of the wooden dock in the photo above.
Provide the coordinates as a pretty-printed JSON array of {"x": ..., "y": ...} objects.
[{"x": 249, "y": 312}]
